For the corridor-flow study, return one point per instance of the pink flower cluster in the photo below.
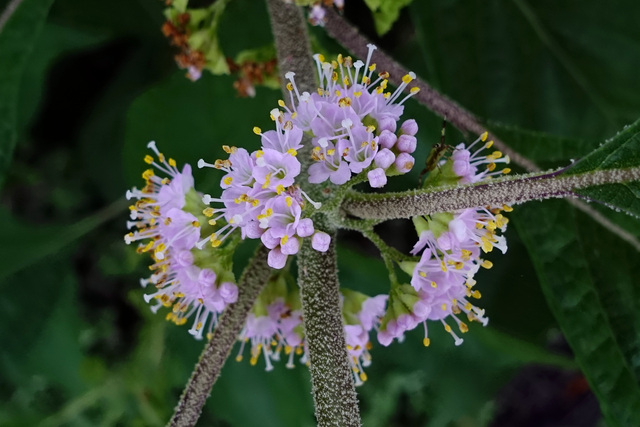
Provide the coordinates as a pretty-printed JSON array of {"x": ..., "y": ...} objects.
[
  {"x": 353, "y": 120},
  {"x": 163, "y": 214},
  {"x": 452, "y": 245},
  {"x": 260, "y": 196}
]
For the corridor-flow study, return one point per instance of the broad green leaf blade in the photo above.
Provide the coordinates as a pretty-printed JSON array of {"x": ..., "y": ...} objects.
[
  {"x": 588, "y": 280},
  {"x": 16, "y": 41},
  {"x": 622, "y": 151}
]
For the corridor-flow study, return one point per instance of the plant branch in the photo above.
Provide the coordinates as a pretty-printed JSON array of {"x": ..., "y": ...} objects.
[
  {"x": 217, "y": 350},
  {"x": 510, "y": 191},
  {"x": 350, "y": 37},
  {"x": 333, "y": 388},
  {"x": 464, "y": 120},
  {"x": 335, "y": 399}
]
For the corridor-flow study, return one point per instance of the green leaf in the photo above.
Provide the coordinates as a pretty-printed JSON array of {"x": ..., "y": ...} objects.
[
  {"x": 551, "y": 66},
  {"x": 192, "y": 120},
  {"x": 622, "y": 151},
  {"x": 385, "y": 13},
  {"x": 587, "y": 276},
  {"x": 16, "y": 42},
  {"x": 23, "y": 244}
]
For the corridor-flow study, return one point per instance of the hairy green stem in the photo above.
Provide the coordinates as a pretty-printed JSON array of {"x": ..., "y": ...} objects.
[
  {"x": 217, "y": 350},
  {"x": 333, "y": 388},
  {"x": 335, "y": 399},
  {"x": 510, "y": 191}
]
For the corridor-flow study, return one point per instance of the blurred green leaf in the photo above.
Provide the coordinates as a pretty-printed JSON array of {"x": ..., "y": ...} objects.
[
  {"x": 53, "y": 42},
  {"x": 192, "y": 120},
  {"x": 542, "y": 65},
  {"x": 22, "y": 245},
  {"x": 587, "y": 276},
  {"x": 17, "y": 37},
  {"x": 385, "y": 13}
]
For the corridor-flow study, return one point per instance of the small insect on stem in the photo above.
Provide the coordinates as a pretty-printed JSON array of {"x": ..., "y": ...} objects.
[{"x": 436, "y": 153}]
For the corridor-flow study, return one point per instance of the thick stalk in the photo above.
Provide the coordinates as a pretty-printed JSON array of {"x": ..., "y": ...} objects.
[
  {"x": 507, "y": 191},
  {"x": 217, "y": 350},
  {"x": 333, "y": 388},
  {"x": 334, "y": 395}
]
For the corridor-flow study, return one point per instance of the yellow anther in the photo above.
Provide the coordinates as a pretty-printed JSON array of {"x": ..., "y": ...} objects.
[
  {"x": 215, "y": 242},
  {"x": 195, "y": 223},
  {"x": 484, "y": 136},
  {"x": 284, "y": 240},
  {"x": 227, "y": 180},
  {"x": 372, "y": 67},
  {"x": 281, "y": 103},
  {"x": 148, "y": 159},
  {"x": 489, "y": 144},
  {"x": 426, "y": 341},
  {"x": 239, "y": 358},
  {"x": 443, "y": 266},
  {"x": 344, "y": 102},
  {"x": 434, "y": 285},
  {"x": 422, "y": 274},
  {"x": 506, "y": 171},
  {"x": 406, "y": 79},
  {"x": 331, "y": 151},
  {"x": 507, "y": 208},
  {"x": 414, "y": 90},
  {"x": 363, "y": 376},
  {"x": 289, "y": 86},
  {"x": 268, "y": 212},
  {"x": 212, "y": 222},
  {"x": 491, "y": 166},
  {"x": 357, "y": 94},
  {"x": 289, "y": 201},
  {"x": 487, "y": 264},
  {"x": 279, "y": 189},
  {"x": 256, "y": 129},
  {"x": 476, "y": 294},
  {"x": 320, "y": 57},
  {"x": 463, "y": 327},
  {"x": 444, "y": 307},
  {"x": 172, "y": 163},
  {"x": 447, "y": 328}
]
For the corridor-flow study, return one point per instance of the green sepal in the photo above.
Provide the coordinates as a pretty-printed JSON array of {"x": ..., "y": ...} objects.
[{"x": 408, "y": 266}]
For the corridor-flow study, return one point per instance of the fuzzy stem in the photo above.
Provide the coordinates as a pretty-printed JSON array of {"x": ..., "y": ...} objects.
[
  {"x": 333, "y": 388},
  {"x": 350, "y": 37},
  {"x": 334, "y": 395},
  {"x": 217, "y": 350},
  {"x": 509, "y": 191}
]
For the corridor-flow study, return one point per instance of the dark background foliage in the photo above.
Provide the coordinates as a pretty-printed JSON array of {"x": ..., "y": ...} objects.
[{"x": 85, "y": 94}]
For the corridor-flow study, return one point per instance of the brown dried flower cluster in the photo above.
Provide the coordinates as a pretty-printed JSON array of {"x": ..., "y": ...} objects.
[
  {"x": 178, "y": 34},
  {"x": 251, "y": 73}
]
